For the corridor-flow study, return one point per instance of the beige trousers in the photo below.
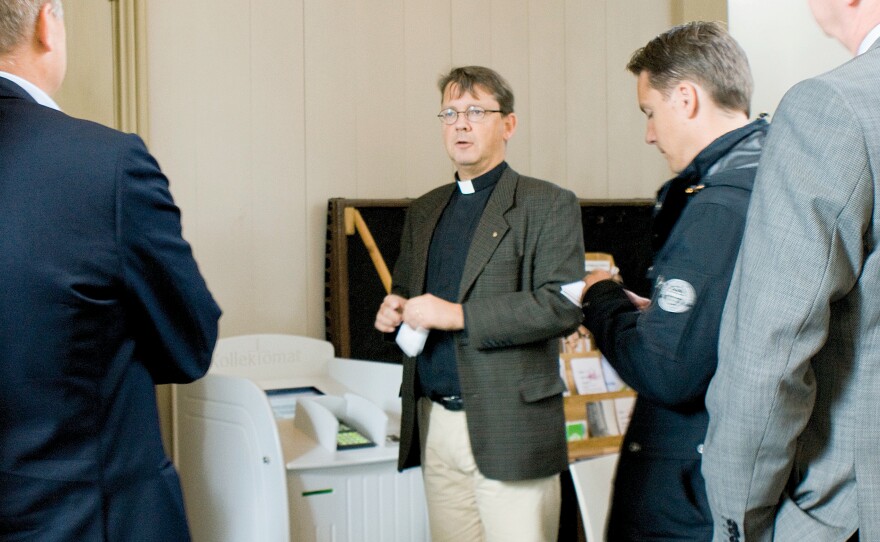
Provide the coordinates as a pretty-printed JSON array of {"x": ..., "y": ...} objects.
[{"x": 464, "y": 505}]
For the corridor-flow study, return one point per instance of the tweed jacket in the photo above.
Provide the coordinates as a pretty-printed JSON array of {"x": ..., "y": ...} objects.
[
  {"x": 792, "y": 447},
  {"x": 528, "y": 243}
]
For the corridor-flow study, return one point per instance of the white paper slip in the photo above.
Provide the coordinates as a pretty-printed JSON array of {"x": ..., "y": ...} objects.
[
  {"x": 612, "y": 379},
  {"x": 572, "y": 291},
  {"x": 410, "y": 340},
  {"x": 587, "y": 375}
]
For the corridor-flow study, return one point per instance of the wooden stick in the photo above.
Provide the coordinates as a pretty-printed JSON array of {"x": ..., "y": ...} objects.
[{"x": 353, "y": 215}]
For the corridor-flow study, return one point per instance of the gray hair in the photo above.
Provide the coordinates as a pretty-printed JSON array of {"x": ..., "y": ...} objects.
[
  {"x": 702, "y": 52},
  {"x": 467, "y": 78},
  {"x": 17, "y": 19}
]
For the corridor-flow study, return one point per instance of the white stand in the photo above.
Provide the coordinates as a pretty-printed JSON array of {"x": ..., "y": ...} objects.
[{"x": 248, "y": 476}]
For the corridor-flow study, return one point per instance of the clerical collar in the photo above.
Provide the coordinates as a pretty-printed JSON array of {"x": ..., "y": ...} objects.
[{"x": 484, "y": 181}]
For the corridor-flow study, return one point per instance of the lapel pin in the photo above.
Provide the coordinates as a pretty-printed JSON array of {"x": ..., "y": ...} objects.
[{"x": 494, "y": 234}]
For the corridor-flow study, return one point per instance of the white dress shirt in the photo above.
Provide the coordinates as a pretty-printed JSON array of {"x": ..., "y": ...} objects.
[
  {"x": 36, "y": 92},
  {"x": 870, "y": 39}
]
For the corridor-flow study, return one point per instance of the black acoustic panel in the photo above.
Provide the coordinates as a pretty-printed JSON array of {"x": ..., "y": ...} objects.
[
  {"x": 366, "y": 293},
  {"x": 622, "y": 229}
]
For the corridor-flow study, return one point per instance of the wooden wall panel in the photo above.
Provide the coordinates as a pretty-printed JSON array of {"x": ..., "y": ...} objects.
[
  {"x": 277, "y": 179},
  {"x": 379, "y": 76},
  {"x": 700, "y": 10},
  {"x": 634, "y": 168},
  {"x": 223, "y": 152},
  {"x": 471, "y": 23},
  {"x": 547, "y": 114},
  {"x": 510, "y": 26},
  {"x": 87, "y": 91},
  {"x": 174, "y": 93},
  {"x": 330, "y": 56},
  {"x": 586, "y": 98},
  {"x": 427, "y": 54},
  {"x": 784, "y": 45}
]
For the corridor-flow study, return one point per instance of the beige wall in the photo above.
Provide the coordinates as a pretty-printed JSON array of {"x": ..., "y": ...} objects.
[
  {"x": 697, "y": 10},
  {"x": 262, "y": 110},
  {"x": 784, "y": 44},
  {"x": 87, "y": 91}
]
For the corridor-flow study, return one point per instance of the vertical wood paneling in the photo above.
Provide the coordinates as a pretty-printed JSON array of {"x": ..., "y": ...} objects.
[
  {"x": 276, "y": 175},
  {"x": 471, "y": 22},
  {"x": 87, "y": 91},
  {"x": 173, "y": 94},
  {"x": 784, "y": 46},
  {"x": 511, "y": 43},
  {"x": 330, "y": 135},
  {"x": 586, "y": 98},
  {"x": 223, "y": 151},
  {"x": 700, "y": 10},
  {"x": 547, "y": 105},
  {"x": 634, "y": 168},
  {"x": 380, "y": 78},
  {"x": 428, "y": 54}
]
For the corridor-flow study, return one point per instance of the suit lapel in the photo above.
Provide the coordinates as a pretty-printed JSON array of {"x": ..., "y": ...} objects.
[
  {"x": 423, "y": 230},
  {"x": 490, "y": 231}
]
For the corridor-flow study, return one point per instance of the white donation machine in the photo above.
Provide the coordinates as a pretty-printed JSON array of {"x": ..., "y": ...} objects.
[{"x": 282, "y": 441}]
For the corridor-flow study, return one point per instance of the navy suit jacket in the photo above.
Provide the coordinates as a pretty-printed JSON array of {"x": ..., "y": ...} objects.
[{"x": 100, "y": 299}]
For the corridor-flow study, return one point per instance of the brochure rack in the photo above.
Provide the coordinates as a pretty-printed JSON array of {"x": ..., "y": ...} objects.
[{"x": 598, "y": 404}]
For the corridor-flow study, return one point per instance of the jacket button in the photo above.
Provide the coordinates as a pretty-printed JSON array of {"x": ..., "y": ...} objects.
[
  {"x": 699, "y": 448},
  {"x": 635, "y": 447}
]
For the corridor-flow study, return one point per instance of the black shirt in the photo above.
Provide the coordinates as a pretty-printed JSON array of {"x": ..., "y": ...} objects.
[{"x": 438, "y": 370}]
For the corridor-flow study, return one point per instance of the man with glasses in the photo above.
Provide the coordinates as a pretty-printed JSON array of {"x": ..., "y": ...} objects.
[{"x": 479, "y": 273}]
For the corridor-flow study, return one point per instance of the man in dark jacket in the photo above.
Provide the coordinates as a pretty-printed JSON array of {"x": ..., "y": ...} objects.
[
  {"x": 481, "y": 264},
  {"x": 101, "y": 299},
  {"x": 694, "y": 86}
]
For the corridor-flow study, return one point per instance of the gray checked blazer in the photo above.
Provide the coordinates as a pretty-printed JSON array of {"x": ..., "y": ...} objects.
[
  {"x": 793, "y": 447},
  {"x": 528, "y": 243}
]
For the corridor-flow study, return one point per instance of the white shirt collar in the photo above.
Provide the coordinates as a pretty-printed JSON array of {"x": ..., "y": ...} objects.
[
  {"x": 870, "y": 39},
  {"x": 466, "y": 187},
  {"x": 36, "y": 93}
]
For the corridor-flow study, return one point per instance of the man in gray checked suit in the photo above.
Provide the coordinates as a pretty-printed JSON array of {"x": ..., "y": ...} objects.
[
  {"x": 793, "y": 447},
  {"x": 481, "y": 265}
]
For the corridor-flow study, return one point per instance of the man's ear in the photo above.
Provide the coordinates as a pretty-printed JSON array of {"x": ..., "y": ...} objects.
[
  {"x": 46, "y": 33},
  {"x": 687, "y": 95},
  {"x": 509, "y": 126}
]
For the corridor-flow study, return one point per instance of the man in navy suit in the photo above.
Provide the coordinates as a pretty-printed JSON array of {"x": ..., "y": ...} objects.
[{"x": 100, "y": 299}]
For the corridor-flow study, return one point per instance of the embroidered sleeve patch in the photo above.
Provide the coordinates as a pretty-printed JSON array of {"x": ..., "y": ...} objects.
[{"x": 676, "y": 296}]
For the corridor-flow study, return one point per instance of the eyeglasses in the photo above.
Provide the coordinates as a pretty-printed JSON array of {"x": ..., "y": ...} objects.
[{"x": 473, "y": 113}]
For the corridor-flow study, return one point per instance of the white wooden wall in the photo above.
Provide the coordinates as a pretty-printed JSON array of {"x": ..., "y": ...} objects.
[
  {"x": 261, "y": 110},
  {"x": 784, "y": 44},
  {"x": 87, "y": 91}
]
